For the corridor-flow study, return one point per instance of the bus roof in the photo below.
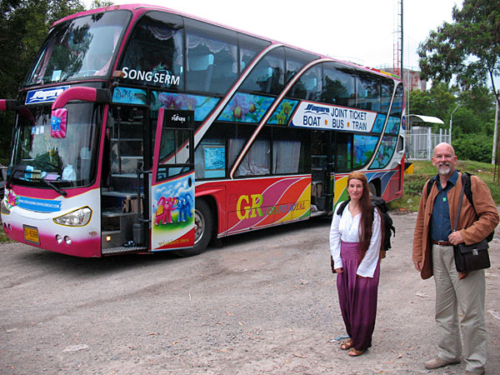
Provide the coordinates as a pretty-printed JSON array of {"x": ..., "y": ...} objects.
[{"x": 139, "y": 9}]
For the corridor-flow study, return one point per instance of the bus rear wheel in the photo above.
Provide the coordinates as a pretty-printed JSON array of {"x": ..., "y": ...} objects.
[{"x": 203, "y": 228}]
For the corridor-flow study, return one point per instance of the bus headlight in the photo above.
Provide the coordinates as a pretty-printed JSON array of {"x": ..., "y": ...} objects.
[{"x": 78, "y": 218}]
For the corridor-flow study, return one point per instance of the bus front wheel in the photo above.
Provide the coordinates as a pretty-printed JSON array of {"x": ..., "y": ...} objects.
[{"x": 203, "y": 227}]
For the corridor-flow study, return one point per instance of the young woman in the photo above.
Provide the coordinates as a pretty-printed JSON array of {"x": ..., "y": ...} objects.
[{"x": 355, "y": 239}]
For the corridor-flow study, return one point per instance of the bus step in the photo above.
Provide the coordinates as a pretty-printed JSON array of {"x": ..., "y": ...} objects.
[{"x": 123, "y": 249}]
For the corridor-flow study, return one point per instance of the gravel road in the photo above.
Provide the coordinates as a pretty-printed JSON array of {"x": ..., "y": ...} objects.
[{"x": 263, "y": 303}]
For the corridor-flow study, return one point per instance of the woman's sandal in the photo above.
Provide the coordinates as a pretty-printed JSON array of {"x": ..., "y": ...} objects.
[
  {"x": 354, "y": 352},
  {"x": 346, "y": 345}
]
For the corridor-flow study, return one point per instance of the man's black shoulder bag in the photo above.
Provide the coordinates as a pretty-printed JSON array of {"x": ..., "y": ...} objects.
[{"x": 470, "y": 257}]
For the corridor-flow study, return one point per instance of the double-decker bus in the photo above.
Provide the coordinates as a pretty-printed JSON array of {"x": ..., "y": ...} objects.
[{"x": 142, "y": 129}]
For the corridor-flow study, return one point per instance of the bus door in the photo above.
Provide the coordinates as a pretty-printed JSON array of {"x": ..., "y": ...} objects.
[
  {"x": 173, "y": 182},
  {"x": 321, "y": 170}
]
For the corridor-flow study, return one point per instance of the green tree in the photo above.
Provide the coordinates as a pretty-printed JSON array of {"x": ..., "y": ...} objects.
[{"x": 468, "y": 49}]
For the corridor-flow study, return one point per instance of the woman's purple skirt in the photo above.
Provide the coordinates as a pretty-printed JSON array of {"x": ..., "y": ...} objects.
[{"x": 357, "y": 297}]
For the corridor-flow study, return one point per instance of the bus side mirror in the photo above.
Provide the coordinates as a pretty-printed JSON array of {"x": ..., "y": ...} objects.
[{"x": 59, "y": 114}]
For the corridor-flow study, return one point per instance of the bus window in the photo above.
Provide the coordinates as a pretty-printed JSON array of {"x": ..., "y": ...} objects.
[
  {"x": 237, "y": 137},
  {"x": 268, "y": 77},
  {"x": 257, "y": 161},
  {"x": 290, "y": 151},
  {"x": 343, "y": 152},
  {"x": 212, "y": 55},
  {"x": 338, "y": 86},
  {"x": 249, "y": 48},
  {"x": 386, "y": 97},
  {"x": 368, "y": 93},
  {"x": 397, "y": 105},
  {"x": 154, "y": 53},
  {"x": 308, "y": 87},
  {"x": 295, "y": 61},
  {"x": 210, "y": 155},
  {"x": 82, "y": 47}
]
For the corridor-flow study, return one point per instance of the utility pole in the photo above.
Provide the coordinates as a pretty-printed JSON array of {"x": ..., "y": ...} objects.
[
  {"x": 495, "y": 136},
  {"x": 451, "y": 120},
  {"x": 402, "y": 42}
]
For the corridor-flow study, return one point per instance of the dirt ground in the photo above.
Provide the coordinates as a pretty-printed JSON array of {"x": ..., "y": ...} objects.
[{"x": 264, "y": 303}]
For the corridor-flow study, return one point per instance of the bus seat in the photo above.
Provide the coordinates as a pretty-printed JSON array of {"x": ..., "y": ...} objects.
[
  {"x": 224, "y": 73},
  {"x": 266, "y": 79},
  {"x": 200, "y": 72}
]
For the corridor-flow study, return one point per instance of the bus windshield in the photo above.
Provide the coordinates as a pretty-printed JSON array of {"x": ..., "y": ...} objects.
[
  {"x": 81, "y": 47},
  {"x": 63, "y": 160}
]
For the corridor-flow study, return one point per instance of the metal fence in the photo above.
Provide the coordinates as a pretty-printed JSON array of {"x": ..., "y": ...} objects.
[{"x": 420, "y": 142}]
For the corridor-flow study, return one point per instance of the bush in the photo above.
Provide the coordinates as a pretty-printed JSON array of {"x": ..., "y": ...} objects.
[{"x": 476, "y": 148}]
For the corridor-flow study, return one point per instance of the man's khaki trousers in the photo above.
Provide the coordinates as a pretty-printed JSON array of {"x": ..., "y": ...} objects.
[{"x": 469, "y": 294}]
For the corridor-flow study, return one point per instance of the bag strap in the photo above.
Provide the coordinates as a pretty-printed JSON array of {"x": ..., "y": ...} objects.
[
  {"x": 343, "y": 206},
  {"x": 459, "y": 207}
]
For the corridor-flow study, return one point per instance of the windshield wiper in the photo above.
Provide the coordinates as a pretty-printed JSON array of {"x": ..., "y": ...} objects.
[{"x": 63, "y": 193}]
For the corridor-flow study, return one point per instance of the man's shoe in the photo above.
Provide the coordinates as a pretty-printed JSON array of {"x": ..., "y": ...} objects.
[{"x": 438, "y": 362}]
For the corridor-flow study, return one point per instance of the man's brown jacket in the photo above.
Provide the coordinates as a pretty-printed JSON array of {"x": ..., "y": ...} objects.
[{"x": 472, "y": 229}]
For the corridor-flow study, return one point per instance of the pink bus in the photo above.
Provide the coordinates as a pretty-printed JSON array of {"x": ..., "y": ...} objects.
[{"x": 142, "y": 129}]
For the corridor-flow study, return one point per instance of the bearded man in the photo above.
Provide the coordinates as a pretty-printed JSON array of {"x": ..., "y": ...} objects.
[{"x": 433, "y": 256}]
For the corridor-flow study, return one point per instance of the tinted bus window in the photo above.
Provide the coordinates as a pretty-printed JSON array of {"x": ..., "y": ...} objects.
[
  {"x": 257, "y": 161},
  {"x": 80, "y": 48},
  {"x": 309, "y": 85},
  {"x": 368, "y": 93},
  {"x": 154, "y": 52},
  {"x": 237, "y": 137},
  {"x": 268, "y": 76},
  {"x": 291, "y": 150},
  {"x": 210, "y": 155},
  {"x": 212, "y": 55},
  {"x": 249, "y": 48},
  {"x": 387, "y": 89},
  {"x": 338, "y": 87},
  {"x": 295, "y": 61},
  {"x": 397, "y": 105},
  {"x": 343, "y": 152}
]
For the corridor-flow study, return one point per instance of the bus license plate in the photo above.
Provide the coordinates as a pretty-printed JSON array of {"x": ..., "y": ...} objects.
[{"x": 31, "y": 235}]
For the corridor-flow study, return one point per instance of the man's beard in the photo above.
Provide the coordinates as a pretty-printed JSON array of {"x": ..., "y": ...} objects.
[{"x": 444, "y": 169}]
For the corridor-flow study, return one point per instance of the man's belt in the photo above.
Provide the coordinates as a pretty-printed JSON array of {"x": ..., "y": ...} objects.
[{"x": 442, "y": 243}]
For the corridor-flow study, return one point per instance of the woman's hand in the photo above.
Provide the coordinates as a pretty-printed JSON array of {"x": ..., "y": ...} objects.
[{"x": 339, "y": 270}]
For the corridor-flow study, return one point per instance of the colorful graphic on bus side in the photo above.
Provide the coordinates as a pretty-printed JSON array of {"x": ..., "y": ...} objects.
[
  {"x": 173, "y": 216},
  {"x": 284, "y": 200}
]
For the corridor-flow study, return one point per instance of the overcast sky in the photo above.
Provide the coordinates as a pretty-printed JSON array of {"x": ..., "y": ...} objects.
[{"x": 361, "y": 31}]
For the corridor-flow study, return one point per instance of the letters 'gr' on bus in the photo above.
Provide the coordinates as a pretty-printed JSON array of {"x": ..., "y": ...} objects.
[{"x": 141, "y": 129}]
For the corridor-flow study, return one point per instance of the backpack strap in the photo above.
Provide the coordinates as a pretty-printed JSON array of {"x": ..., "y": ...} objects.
[
  {"x": 466, "y": 181},
  {"x": 342, "y": 207},
  {"x": 430, "y": 184}
]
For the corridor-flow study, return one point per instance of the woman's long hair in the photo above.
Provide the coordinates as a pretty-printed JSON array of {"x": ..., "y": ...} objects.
[{"x": 366, "y": 220}]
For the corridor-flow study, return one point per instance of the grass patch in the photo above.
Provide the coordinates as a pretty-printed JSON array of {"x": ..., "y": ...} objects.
[
  {"x": 3, "y": 237},
  {"x": 424, "y": 170}
]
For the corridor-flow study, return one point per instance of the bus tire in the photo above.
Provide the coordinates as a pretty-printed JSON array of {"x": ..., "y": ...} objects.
[{"x": 203, "y": 226}]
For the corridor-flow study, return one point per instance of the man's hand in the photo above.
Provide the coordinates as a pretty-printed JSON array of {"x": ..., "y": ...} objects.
[
  {"x": 418, "y": 265},
  {"x": 455, "y": 238}
]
